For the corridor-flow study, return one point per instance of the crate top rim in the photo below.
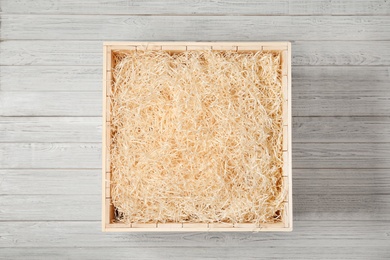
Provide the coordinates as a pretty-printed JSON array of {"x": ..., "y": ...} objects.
[{"x": 175, "y": 43}]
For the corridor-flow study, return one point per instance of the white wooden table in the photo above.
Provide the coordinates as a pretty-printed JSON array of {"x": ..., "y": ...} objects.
[{"x": 50, "y": 125}]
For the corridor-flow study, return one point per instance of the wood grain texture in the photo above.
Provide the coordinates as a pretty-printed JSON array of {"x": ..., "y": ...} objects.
[
  {"x": 199, "y": 7},
  {"x": 88, "y": 129},
  {"x": 335, "y": 182},
  {"x": 341, "y": 129},
  {"x": 194, "y": 28},
  {"x": 50, "y": 155},
  {"x": 51, "y": 78},
  {"x": 49, "y": 207},
  {"x": 77, "y": 53},
  {"x": 50, "y": 104},
  {"x": 191, "y": 252},
  {"x": 341, "y": 155},
  {"x": 88, "y": 234},
  {"x": 50, "y": 129},
  {"x": 51, "y": 67},
  {"x": 341, "y": 91},
  {"x": 55, "y": 182}
]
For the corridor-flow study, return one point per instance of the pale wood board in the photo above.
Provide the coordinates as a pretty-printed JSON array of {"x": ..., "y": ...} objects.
[
  {"x": 199, "y": 7},
  {"x": 50, "y": 129},
  {"x": 88, "y": 234},
  {"x": 56, "y": 182},
  {"x": 194, "y": 28},
  {"x": 301, "y": 252}
]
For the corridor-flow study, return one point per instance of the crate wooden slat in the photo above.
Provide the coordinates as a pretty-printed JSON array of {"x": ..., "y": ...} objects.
[{"x": 109, "y": 223}]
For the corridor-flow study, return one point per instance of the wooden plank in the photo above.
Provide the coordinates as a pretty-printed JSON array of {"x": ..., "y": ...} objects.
[
  {"x": 341, "y": 129},
  {"x": 174, "y": 47},
  {"x": 50, "y": 155},
  {"x": 285, "y": 138},
  {"x": 181, "y": 28},
  {"x": 88, "y": 234},
  {"x": 341, "y": 53},
  {"x": 342, "y": 207},
  {"x": 125, "y": 44},
  {"x": 350, "y": 251},
  {"x": 341, "y": 155},
  {"x": 349, "y": 7},
  {"x": 85, "y": 53},
  {"x": 332, "y": 91},
  {"x": 49, "y": 207},
  {"x": 50, "y": 104},
  {"x": 201, "y": 7},
  {"x": 224, "y": 48},
  {"x": 59, "y": 78},
  {"x": 50, "y": 129},
  {"x": 55, "y": 182},
  {"x": 340, "y": 182},
  {"x": 197, "y": 47}
]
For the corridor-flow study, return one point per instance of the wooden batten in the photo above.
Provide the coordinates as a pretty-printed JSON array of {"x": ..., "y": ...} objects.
[
  {"x": 108, "y": 186},
  {"x": 196, "y": 47},
  {"x": 286, "y": 164},
  {"x": 285, "y": 113},
  {"x": 279, "y": 226},
  {"x": 107, "y": 148},
  {"x": 285, "y": 189},
  {"x": 221, "y": 225},
  {"x": 174, "y": 47},
  {"x": 170, "y": 225},
  {"x": 284, "y": 59},
  {"x": 285, "y": 87},
  {"x": 110, "y": 212},
  {"x": 274, "y": 48},
  {"x": 144, "y": 225},
  {"x": 122, "y": 48},
  {"x": 285, "y": 218},
  {"x": 196, "y": 225},
  {"x": 148, "y": 47},
  {"x": 118, "y": 226},
  {"x": 224, "y": 48},
  {"x": 246, "y": 226},
  {"x": 285, "y": 138},
  {"x": 250, "y": 48}
]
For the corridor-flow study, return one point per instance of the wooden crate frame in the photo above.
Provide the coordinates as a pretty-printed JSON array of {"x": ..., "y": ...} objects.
[{"x": 108, "y": 210}]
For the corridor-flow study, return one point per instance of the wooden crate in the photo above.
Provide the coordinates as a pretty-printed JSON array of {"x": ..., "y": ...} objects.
[{"x": 108, "y": 216}]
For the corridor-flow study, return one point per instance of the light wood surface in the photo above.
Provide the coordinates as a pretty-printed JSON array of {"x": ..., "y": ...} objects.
[
  {"x": 194, "y": 28},
  {"x": 50, "y": 125},
  {"x": 199, "y": 7}
]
